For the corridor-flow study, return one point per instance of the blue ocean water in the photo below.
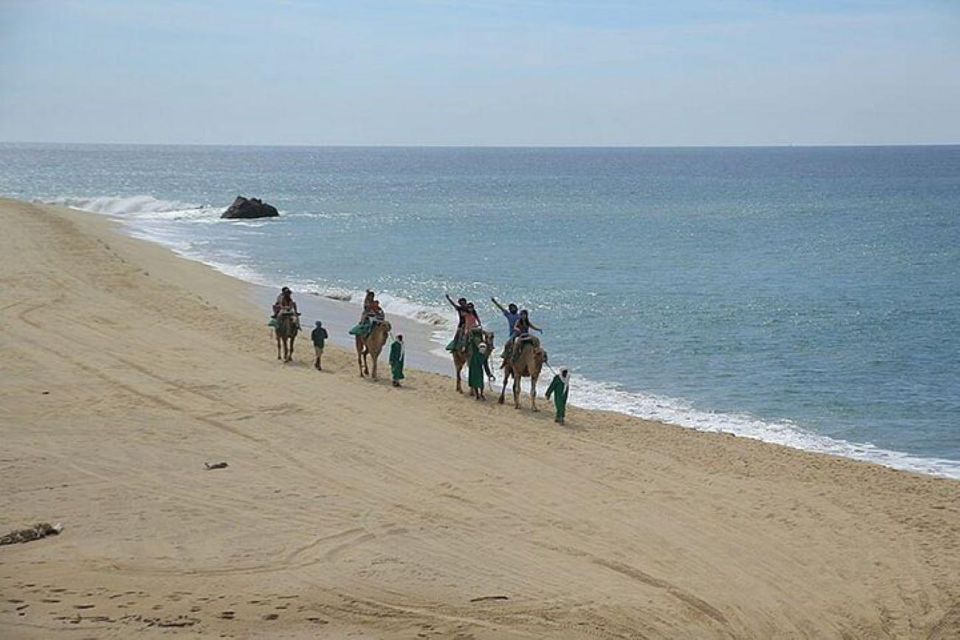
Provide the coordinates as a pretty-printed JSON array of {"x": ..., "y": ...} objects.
[{"x": 807, "y": 296}]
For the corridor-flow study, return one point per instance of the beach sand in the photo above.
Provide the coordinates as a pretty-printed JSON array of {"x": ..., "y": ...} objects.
[{"x": 352, "y": 509}]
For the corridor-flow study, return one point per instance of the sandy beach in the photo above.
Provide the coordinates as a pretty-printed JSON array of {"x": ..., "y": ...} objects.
[{"x": 351, "y": 509}]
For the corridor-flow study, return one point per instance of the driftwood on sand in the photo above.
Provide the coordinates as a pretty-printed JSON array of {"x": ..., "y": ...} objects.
[
  {"x": 29, "y": 534},
  {"x": 215, "y": 465}
]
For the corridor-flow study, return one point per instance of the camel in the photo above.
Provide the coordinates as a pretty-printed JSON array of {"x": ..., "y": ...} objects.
[
  {"x": 460, "y": 359},
  {"x": 528, "y": 364},
  {"x": 286, "y": 331},
  {"x": 372, "y": 344}
]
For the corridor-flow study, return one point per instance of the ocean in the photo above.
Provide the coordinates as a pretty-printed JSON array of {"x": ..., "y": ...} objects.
[{"x": 804, "y": 296}]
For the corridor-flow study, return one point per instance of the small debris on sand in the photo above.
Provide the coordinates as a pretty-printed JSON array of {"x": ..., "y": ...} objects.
[
  {"x": 484, "y": 598},
  {"x": 215, "y": 465},
  {"x": 35, "y": 532}
]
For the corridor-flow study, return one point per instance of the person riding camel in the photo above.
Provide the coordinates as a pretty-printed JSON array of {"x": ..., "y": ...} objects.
[
  {"x": 463, "y": 310},
  {"x": 471, "y": 321},
  {"x": 521, "y": 334},
  {"x": 287, "y": 306},
  {"x": 276, "y": 305},
  {"x": 372, "y": 314},
  {"x": 510, "y": 313},
  {"x": 375, "y": 313},
  {"x": 368, "y": 301}
]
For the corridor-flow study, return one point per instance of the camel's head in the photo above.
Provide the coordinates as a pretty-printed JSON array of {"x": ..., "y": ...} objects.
[{"x": 488, "y": 340}]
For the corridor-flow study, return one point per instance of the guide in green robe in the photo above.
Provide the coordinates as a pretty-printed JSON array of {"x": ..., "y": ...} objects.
[
  {"x": 559, "y": 389},
  {"x": 475, "y": 374},
  {"x": 396, "y": 360}
]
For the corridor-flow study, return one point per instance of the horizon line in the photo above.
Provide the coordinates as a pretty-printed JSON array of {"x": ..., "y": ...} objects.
[{"x": 491, "y": 146}]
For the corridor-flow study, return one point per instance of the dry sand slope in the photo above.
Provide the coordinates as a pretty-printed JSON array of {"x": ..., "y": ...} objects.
[{"x": 351, "y": 509}]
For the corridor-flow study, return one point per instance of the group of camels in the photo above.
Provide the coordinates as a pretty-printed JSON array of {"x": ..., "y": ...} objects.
[{"x": 527, "y": 364}]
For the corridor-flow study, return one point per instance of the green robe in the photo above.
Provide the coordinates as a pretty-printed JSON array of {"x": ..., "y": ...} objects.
[
  {"x": 559, "y": 392},
  {"x": 475, "y": 371},
  {"x": 396, "y": 360}
]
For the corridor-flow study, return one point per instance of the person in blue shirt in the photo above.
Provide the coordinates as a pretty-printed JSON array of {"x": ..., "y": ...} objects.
[{"x": 510, "y": 313}]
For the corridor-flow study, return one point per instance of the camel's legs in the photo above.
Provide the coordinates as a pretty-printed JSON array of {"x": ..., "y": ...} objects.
[
  {"x": 533, "y": 393},
  {"x": 293, "y": 340},
  {"x": 506, "y": 378},
  {"x": 456, "y": 368},
  {"x": 359, "y": 355},
  {"x": 277, "y": 335},
  {"x": 516, "y": 391},
  {"x": 374, "y": 376}
]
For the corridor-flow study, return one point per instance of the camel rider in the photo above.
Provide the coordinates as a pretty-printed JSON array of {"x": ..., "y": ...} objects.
[
  {"x": 276, "y": 305},
  {"x": 287, "y": 306},
  {"x": 368, "y": 301},
  {"x": 471, "y": 322},
  {"x": 510, "y": 313},
  {"x": 521, "y": 334},
  {"x": 462, "y": 311},
  {"x": 372, "y": 315},
  {"x": 376, "y": 314}
]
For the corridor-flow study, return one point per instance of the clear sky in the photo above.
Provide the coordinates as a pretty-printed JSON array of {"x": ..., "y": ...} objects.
[{"x": 481, "y": 72}]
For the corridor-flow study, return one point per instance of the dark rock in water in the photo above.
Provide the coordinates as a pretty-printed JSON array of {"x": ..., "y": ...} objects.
[{"x": 245, "y": 208}]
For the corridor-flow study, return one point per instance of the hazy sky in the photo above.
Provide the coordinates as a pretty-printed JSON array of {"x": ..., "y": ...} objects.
[{"x": 481, "y": 72}]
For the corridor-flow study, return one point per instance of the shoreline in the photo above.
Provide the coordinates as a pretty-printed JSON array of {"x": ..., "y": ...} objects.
[
  {"x": 362, "y": 509},
  {"x": 424, "y": 351}
]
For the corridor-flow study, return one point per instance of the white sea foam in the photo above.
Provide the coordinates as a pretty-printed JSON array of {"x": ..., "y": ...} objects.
[
  {"x": 140, "y": 205},
  {"x": 584, "y": 392},
  {"x": 612, "y": 397}
]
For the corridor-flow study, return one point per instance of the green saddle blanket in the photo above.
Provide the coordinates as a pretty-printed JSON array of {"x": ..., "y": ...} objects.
[{"x": 362, "y": 330}]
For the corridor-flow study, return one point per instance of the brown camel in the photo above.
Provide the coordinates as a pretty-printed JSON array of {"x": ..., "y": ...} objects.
[
  {"x": 372, "y": 344},
  {"x": 461, "y": 357},
  {"x": 527, "y": 365},
  {"x": 286, "y": 331}
]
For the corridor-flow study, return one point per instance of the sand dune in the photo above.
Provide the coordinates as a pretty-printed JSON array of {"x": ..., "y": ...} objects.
[{"x": 352, "y": 509}]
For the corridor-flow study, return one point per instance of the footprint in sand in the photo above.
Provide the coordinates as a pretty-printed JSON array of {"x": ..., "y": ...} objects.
[
  {"x": 271, "y": 616},
  {"x": 84, "y": 606},
  {"x": 227, "y": 615}
]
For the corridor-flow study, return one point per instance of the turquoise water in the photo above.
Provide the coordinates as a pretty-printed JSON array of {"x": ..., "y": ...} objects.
[{"x": 808, "y": 296}]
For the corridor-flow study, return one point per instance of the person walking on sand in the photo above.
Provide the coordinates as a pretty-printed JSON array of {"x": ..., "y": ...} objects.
[
  {"x": 560, "y": 388},
  {"x": 319, "y": 337},
  {"x": 477, "y": 351},
  {"x": 396, "y": 360}
]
